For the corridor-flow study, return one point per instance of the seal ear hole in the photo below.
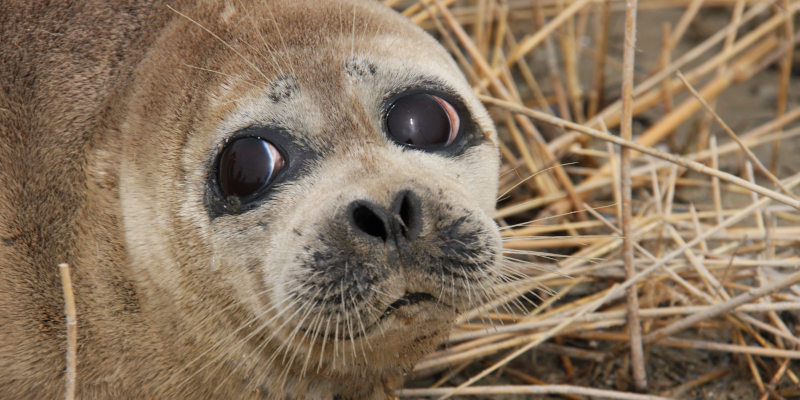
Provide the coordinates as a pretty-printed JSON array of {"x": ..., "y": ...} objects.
[{"x": 368, "y": 222}]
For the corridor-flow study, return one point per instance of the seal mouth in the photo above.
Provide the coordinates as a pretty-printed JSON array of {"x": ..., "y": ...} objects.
[{"x": 406, "y": 300}]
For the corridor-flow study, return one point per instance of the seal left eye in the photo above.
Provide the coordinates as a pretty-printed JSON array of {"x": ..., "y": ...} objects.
[
  {"x": 248, "y": 165},
  {"x": 422, "y": 120}
]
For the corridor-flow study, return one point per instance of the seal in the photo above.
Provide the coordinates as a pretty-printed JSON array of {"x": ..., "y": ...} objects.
[{"x": 275, "y": 199}]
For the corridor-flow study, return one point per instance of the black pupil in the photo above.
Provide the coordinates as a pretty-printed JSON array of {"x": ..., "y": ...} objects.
[
  {"x": 418, "y": 120},
  {"x": 246, "y": 167}
]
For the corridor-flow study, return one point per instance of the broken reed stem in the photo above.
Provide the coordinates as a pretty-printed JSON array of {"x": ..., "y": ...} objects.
[
  {"x": 72, "y": 331},
  {"x": 683, "y": 162},
  {"x": 634, "y": 325},
  {"x": 530, "y": 389}
]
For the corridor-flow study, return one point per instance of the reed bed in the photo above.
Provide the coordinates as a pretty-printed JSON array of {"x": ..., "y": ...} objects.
[{"x": 645, "y": 247}]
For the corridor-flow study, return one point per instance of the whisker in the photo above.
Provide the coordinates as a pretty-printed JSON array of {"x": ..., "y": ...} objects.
[
  {"x": 245, "y": 59},
  {"x": 530, "y": 177},
  {"x": 221, "y": 342},
  {"x": 245, "y": 80},
  {"x": 324, "y": 342},
  {"x": 264, "y": 42},
  {"x": 280, "y": 35},
  {"x": 363, "y": 330},
  {"x": 505, "y": 228}
]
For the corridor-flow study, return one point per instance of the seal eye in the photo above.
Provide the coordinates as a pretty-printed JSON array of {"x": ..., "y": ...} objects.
[
  {"x": 248, "y": 165},
  {"x": 422, "y": 120}
]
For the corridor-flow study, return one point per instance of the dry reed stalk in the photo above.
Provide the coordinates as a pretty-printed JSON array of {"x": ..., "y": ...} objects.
[
  {"x": 533, "y": 342},
  {"x": 666, "y": 59},
  {"x": 722, "y": 308},
  {"x": 645, "y": 313},
  {"x": 523, "y": 389},
  {"x": 765, "y": 327},
  {"x": 597, "y": 94},
  {"x": 776, "y": 378},
  {"x": 683, "y": 389},
  {"x": 715, "y": 180},
  {"x": 731, "y": 348},
  {"x": 614, "y": 293},
  {"x": 529, "y": 379},
  {"x": 421, "y": 11},
  {"x": 686, "y": 163},
  {"x": 698, "y": 227},
  {"x": 527, "y": 75},
  {"x": 529, "y": 43},
  {"x": 611, "y": 114},
  {"x": 696, "y": 259},
  {"x": 546, "y": 184},
  {"x": 748, "y": 169},
  {"x": 695, "y": 344},
  {"x": 570, "y": 55},
  {"x": 608, "y": 115},
  {"x": 615, "y": 178},
  {"x": 551, "y": 59},
  {"x": 497, "y": 46},
  {"x": 72, "y": 332},
  {"x": 785, "y": 75},
  {"x": 679, "y": 115},
  {"x": 497, "y": 342},
  {"x": 634, "y": 325},
  {"x": 451, "y": 374},
  {"x": 593, "y": 355},
  {"x": 735, "y": 138}
]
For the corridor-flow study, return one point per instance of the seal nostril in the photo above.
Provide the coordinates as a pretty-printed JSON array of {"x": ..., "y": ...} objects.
[
  {"x": 407, "y": 218},
  {"x": 368, "y": 222},
  {"x": 406, "y": 212}
]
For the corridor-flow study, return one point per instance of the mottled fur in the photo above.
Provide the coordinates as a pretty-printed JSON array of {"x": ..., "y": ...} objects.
[{"x": 111, "y": 117}]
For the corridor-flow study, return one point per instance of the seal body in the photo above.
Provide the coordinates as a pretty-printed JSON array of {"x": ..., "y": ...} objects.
[{"x": 124, "y": 131}]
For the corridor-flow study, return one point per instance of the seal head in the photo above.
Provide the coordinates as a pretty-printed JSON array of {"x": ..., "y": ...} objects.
[{"x": 303, "y": 195}]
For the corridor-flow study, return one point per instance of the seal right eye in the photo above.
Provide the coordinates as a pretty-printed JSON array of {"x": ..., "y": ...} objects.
[{"x": 248, "y": 165}]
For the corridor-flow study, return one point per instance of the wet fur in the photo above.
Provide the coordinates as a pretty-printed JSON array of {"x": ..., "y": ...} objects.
[{"x": 111, "y": 116}]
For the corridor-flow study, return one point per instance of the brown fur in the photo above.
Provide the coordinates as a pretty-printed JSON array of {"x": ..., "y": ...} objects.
[{"x": 109, "y": 115}]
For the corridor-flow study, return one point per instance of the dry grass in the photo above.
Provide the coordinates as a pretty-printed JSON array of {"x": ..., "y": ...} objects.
[
  {"x": 72, "y": 332},
  {"x": 716, "y": 275}
]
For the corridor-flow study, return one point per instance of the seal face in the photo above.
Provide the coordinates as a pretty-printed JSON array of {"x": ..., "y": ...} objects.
[{"x": 297, "y": 194}]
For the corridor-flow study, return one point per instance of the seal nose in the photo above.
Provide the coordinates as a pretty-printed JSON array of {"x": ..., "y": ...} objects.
[{"x": 376, "y": 221}]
